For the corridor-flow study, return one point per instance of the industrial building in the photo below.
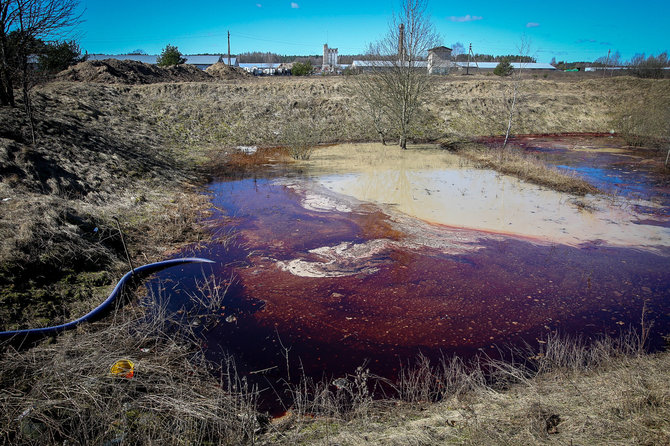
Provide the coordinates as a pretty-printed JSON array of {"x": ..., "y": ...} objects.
[{"x": 329, "y": 59}]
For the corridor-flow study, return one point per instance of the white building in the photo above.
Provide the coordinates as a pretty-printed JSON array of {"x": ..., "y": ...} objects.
[
  {"x": 329, "y": 58},
  {"x": 439, "y": 60}
]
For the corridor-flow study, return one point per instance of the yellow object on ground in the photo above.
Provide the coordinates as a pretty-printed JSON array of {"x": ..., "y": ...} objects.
[{"x": 123, "y": 368}]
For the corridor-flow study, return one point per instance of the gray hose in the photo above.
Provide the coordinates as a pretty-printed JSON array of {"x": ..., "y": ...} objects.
[{"x": 98, "y": 312}]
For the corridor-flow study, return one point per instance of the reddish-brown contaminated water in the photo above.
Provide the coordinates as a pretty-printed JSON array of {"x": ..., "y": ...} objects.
[{"x": 387, "y": 286}]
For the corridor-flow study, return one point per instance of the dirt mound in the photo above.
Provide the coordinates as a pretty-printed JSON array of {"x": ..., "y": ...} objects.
[
  {"x": 222, "y": 71},
  {"x": 112, "y": 71}
]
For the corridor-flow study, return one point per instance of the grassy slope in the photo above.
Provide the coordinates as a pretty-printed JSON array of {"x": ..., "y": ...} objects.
[
  {"x": 97, "y": 157},
  {"x": 253, "y": 111}
]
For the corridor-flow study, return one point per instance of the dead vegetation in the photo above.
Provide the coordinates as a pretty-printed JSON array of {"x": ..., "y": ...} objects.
[
  {"x": 567, "y": 391},
  {"x": 246, "y": 160},
  {"x": 64, "y": 392},
  {"x": 511, "y": 161}
]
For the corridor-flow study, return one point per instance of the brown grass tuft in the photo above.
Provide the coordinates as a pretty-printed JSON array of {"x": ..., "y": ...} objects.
[{"x": 525, "y": 167}]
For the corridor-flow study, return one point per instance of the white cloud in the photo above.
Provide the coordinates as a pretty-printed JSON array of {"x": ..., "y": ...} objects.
[
  {"x": 294, "y": 5},
  {"x": 532, "y": 25},
  {"x": 258, "y": 5},
  {"x": 465, "y": 18}
]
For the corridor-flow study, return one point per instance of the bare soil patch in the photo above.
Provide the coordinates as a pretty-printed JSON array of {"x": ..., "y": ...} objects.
[
  {"x": 112, "y": 71},
  {"x": 223, "y": 71}
]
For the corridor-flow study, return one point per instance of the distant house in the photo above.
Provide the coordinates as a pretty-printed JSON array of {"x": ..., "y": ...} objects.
[
  {"x": 439, "y": 60},
  {"x": 202, "y": 61}
]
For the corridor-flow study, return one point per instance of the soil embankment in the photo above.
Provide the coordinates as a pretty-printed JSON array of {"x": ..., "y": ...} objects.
[{"x": 96, "y": 158}]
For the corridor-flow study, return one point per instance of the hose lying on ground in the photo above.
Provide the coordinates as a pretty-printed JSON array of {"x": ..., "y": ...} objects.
[{"x": 98, "y": 312}]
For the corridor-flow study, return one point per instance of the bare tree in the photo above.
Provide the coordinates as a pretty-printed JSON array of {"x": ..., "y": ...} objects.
[
  {"x": 398, "y": 82},
  {"x": 371, "y": 101},
  {"x": 7, "y": 24},
  {"x": 511, "y": 93},
  {"x": 29, "y": 20}
]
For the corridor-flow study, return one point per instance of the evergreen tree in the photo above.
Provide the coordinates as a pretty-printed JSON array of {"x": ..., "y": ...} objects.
[
  {"x": 170, "y": 56},
  {"x": 302, "y": 69},
  {"x": 58, "y": 56},
  {"x": 504, "y": 68}
]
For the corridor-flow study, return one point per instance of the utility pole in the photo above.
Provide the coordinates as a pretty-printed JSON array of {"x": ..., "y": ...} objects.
[
  {"x": 471, "y": 54},
  {"x": 401, "y": 42},
  {"x": 607, "y": 63},
  {"x": 228, "y": 48}
]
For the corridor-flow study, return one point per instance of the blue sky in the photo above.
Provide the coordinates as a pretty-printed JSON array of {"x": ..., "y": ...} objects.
[{"x": 570, "y": 30}]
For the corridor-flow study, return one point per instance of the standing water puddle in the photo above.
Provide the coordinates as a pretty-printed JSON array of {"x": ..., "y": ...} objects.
[
  {"x": 378, "y": 257},
  {"x": 628, "y": 173}
]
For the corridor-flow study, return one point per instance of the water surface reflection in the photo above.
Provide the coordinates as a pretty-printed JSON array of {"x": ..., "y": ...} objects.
[{"x": 337, "y": 280}]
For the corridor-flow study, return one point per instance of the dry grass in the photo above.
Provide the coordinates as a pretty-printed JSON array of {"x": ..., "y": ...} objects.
[
  {"x": 60, "y": 257},
  {"x": 525, "y": 167},
  {"x": 643, "y": 118},
  {"x": 64, "y": 392},
  {"x": 568, "y": 392},
  {"x": 96, "y": 159}
]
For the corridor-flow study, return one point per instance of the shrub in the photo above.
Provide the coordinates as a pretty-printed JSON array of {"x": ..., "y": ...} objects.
[
  {"x": 170, "y": 56},
  {"x": 504, "y": 68},
  {"x": 300, "y": 134}
]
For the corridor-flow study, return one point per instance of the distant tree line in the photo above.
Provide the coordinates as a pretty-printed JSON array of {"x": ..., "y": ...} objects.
[
  {"x": 346, "y": 59},
  {"x": 639, "y": 65},
  {"x": 268, "y": 57},
  {"x": 492, "y": 58}
]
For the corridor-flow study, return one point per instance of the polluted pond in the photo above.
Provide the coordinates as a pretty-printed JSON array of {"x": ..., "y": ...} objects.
[{"x": 371, "y": 254}]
